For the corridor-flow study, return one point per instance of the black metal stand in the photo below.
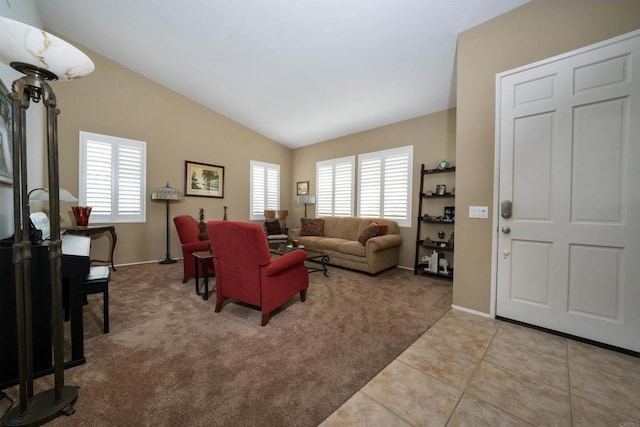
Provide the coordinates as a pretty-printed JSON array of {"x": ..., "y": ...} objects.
[{"x": 167, "y": 259}]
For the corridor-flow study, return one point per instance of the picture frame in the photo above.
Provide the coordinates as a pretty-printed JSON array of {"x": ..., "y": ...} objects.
[
  {"x": 6, "y": 135},
  {"x": 302, "y": 187},
  {"x": 203, "y": 180}
]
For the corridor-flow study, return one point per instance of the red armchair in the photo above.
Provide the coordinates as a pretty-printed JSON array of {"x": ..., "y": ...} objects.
[
  {"x": 246, "y": 272},
  {"x": 188, "y": 232}
]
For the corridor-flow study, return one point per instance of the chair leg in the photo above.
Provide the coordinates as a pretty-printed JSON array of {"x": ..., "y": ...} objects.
[
  {"x": 303, "y": 295},
  {"x": 185, "y": 279},
  {"x": 265, "y": 319},
  {"x": 218, "y": 306}
]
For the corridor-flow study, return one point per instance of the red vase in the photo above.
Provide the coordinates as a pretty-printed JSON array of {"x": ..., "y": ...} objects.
[{"x": 82, "y": 215}]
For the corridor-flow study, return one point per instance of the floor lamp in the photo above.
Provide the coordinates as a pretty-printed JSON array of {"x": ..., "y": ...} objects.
[
  {"x": 167, "y": 194},
  {"x": 41, "y": 57},
  {"x": 305, "y": 199}
]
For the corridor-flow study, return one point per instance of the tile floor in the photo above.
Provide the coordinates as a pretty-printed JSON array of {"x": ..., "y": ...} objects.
[{"x": 472, "y": 371}]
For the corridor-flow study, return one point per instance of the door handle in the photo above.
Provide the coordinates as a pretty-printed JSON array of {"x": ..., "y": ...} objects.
[{"x": 506, "y": 230}]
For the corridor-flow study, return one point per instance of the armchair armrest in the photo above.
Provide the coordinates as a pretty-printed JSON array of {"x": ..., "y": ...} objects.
[
  {"x": 199, "y": 245},
  {"x": 285, "y": 261},
  {"x": 387, "y": 241}
]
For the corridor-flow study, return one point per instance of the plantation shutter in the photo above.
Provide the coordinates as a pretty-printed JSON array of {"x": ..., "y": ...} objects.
[
  {"x": 334, "y": 180},
  {"x": 112, "y": 178},
  {"x": 265, "y": 188},
  {"x": 385, "y": 185}
]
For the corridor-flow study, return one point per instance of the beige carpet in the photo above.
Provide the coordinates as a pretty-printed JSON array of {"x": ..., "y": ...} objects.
[{"x": 171, "y": 360}]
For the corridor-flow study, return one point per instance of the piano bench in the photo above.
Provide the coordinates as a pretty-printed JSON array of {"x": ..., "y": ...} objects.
[{"x": 97, "y": 281}]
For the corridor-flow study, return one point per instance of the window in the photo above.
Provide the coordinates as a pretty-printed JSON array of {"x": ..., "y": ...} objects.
[
  {"x": 265, "y": 189},
  {"x": 113, "y": 177},
  {"x": 384, "y": 185},
  {"x": 334, "y": 178}
]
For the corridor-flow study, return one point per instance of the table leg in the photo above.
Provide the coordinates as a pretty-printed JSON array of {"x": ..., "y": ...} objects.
[
  {"x": 197, "y": 267},
  {"x": 205, "y": 269},
  {"x": 114, "y": 240}
]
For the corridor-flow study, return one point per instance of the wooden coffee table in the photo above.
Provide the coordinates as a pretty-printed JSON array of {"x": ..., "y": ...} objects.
[{"x": 315, "y": 257}]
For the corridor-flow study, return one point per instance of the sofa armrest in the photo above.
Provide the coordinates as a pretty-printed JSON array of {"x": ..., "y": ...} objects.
[
  {"x": 285, "y": 261},
  {"x": 380, "y": 243},
  {"x": 294, "y": 233}
]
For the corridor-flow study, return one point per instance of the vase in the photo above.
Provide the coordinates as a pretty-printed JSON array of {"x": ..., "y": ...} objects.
[{"x": 82, "y": 215}]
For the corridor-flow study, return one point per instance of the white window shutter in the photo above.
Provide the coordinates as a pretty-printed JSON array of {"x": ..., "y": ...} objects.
[
  {"x": 112, "y": 178},
  {"x": 335, "y": 183},
  {"x": 385, "y": 185},
  {"x": 265, "y": 188}
]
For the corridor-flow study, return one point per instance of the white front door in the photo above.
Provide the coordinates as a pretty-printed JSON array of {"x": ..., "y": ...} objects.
[{"x": 568, "y": 134}]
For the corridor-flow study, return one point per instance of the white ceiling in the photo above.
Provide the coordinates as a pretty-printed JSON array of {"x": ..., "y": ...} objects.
[{"x": 296, "y": 71}]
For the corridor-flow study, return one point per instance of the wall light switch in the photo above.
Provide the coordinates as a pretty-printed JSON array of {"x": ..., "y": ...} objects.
[{"x": 479, "y": 212}]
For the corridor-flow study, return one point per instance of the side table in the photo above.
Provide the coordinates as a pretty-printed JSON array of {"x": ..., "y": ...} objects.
[
  {"x": 95, "y": 230},
  {"x": 202, "y": 258}
]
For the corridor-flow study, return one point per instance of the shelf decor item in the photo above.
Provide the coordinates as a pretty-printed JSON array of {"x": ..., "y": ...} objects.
[
  {"x": 41, "y": 57},
  {"x": 443, "y": 164}
]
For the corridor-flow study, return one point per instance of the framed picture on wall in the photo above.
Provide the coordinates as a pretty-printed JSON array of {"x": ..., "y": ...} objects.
[
  {"x": 302, "y": 187},
  {"x": 6, "y": 136},
  {"x": 204, "y": 180}
]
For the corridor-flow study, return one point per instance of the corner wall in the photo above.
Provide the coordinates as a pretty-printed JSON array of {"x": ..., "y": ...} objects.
[{"x": 535, "y": 31}]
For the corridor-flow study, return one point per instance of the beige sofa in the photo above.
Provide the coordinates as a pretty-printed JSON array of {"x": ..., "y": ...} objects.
[{"x": 340, "y": 242}]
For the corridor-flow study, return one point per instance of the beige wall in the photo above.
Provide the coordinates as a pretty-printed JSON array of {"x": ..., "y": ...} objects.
[
  {"x": 432, "y": 137},
  {"x": 537, "y": 30},
  {"x": 116, "y": 101}
]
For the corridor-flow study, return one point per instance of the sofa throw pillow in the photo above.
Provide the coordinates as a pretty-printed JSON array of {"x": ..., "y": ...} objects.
[
  {"x": 312, "y": 227},
  {"x": 273, "y": 228},
  {"x": 371, "y": 230},
  {"x": 383, "y": 227}
]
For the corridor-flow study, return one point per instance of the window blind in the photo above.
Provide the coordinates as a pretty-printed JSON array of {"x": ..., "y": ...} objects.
[{"x": 265, "y": 188}]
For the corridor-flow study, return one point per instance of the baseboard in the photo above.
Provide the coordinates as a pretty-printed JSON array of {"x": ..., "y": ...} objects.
[{"x": 468, "y": 310}]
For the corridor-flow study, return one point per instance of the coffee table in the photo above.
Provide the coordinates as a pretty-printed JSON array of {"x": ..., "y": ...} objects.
[{"x": 315, "y": 257}]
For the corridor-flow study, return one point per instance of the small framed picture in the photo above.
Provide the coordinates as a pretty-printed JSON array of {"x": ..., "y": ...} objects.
[
  {"x": 450, "y": 212},
  {"x": 203, "y": 180},
  {"x": 302, "y": 187}
]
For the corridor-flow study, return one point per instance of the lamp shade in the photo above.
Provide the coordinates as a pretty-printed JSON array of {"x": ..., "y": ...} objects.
[
  {"x": 166, "y": 193},
  {"x": 305, "y": 199},
  {"x": 42, "y": 194},
  {"x": 22, "y": 43}
]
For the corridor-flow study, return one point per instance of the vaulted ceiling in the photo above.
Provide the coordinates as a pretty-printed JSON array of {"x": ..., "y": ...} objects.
[{"x": 296, "y": 71}]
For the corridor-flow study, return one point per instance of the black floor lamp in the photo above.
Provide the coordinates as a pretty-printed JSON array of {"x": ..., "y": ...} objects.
[
  {"x": 41, "y": 57},
  {"x": 168, "y": 194}
]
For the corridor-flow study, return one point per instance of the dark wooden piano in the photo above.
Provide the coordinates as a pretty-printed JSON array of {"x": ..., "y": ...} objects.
[{"x": 75, "y": 264}]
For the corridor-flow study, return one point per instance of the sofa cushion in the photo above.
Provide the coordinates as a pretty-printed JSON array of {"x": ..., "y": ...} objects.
[
  {"x": 371, "y": 230},
  {"x": 312, "y": 227},
  {"x": 330, "y": 243},
  {"x": 352, "y": 248},
  {"x": 383, "y": 227}
]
